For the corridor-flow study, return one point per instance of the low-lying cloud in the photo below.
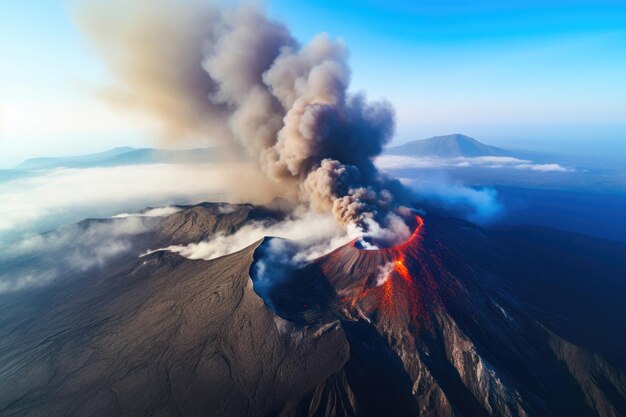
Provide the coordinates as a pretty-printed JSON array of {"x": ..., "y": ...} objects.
[
  {"x": 390, "y": 162},
  {"x": 62, "y": 196},
  {"x": 40, "y": 259},
  {"x": 56, "y": 198},
  {"x": 476, "y": 204},
  {"x": 152, "y": 212}
]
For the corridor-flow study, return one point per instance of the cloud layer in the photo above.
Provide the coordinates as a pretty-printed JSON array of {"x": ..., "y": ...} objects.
[
  {"x": 476, "y": 204},
  {"x": 390, "y": 162},
  {"x": 40, "y": 259},
  {"x": 62, "y": 196}
]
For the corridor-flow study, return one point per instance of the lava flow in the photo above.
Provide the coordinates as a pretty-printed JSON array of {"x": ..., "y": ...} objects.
[{"x": 394, "y": 283}]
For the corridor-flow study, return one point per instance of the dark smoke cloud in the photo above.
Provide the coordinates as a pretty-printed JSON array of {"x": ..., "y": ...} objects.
[{"x": 233, "y": 75}]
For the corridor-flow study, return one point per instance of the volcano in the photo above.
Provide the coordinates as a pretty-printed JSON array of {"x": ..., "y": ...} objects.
[
  {"x": 456, "y": 321},
  {"x": 471, "y": 323},
  {"x": 447, "y": 146}
]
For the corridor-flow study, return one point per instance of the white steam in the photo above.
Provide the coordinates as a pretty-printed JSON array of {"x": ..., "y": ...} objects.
[
  {"x": 384, "y": 272},
  {"x": 315, "y": 234}
]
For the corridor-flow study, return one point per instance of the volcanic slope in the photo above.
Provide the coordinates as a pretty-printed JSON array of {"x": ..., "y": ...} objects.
[
  {"x": 483, "y": 323},
  {"x": 457, "y": 321}
]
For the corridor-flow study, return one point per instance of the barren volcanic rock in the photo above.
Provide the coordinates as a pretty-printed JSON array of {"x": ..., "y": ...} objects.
[
  {"x": 468, "y": 316},
  {"x": 457, "y": 321}
]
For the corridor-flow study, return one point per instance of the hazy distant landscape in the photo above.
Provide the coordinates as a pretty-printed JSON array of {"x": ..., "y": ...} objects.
[
  {"x": 313, "y": 208},
  {"x": 514, "y": 187},
  {"x": 453, "y": 173}
]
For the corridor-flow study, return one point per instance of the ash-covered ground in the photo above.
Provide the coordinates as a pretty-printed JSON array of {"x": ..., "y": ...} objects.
[{"x": 456, "y": 321}]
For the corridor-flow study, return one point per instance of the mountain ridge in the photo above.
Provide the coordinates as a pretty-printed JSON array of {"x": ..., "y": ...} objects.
[
  {"x": 447, "y": 146},
  {"x": 120, "y": 156}
]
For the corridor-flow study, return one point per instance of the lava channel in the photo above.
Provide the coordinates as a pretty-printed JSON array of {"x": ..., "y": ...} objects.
[{"x": 405, "y": 291}]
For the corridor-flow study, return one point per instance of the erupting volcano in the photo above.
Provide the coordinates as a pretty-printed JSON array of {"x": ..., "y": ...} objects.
[
  {"x": 394, "y": 291},
  {"x": 399, "y": 285},
  {"x": 455, "y": 321},
  {"x": 448, "y": 307},
  {"x": 198, "y": 310}
]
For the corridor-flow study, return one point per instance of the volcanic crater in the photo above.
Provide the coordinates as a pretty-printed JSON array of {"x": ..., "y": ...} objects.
[{"x": 457, "y": 321}]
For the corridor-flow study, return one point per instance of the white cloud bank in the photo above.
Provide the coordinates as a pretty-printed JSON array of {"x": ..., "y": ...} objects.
[
  {"x": 63, "y": 196},
  {"x": 40, "y": 259},
  {"x": 476, "y": 204},
  {"x": 153, "y": 212},
  {"x": 388, "y": 162}
]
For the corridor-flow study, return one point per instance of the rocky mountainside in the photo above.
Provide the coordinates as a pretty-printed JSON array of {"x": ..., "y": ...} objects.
[
  {"x": 466, "y": 321},
  {"x": 457, "y": 321}
]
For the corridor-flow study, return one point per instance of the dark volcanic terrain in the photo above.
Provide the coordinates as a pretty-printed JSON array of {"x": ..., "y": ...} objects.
[{"x": 457, "y": 321}]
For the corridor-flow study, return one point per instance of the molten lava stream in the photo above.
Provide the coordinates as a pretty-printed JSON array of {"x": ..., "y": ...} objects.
[{"x": 398, "y": 296}]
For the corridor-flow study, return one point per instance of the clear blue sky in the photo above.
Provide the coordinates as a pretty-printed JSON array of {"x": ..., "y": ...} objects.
[{"x": 545, "y": 71}]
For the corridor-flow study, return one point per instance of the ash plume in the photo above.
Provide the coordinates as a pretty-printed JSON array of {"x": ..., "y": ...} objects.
[{"x": 234, "y": 76}]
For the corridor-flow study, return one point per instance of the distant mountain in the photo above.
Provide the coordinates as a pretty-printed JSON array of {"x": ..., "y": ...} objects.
[
  {"x": 122, "y": 156},
  {"x": 448, "y": 146},
  {"x": 48, "y": 162}
]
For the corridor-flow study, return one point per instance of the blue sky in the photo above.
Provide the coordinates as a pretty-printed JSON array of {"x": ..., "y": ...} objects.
[{"x": 542, "y": 73}]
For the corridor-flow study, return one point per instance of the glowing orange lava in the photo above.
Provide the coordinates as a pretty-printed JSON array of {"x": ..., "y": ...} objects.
[
  {"x": 398, "y": 296},
  {"x": 402, "y": 270}
]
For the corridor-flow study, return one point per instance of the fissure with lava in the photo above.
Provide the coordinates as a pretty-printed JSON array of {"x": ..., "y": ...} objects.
[{"x": 402, "y": 294}]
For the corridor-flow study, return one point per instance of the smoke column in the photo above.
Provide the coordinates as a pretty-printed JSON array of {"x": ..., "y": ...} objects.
[{"x": 234, "y": 76}]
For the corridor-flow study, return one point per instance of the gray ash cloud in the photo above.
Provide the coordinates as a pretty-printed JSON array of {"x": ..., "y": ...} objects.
[{"x": 235, "y": 76}]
